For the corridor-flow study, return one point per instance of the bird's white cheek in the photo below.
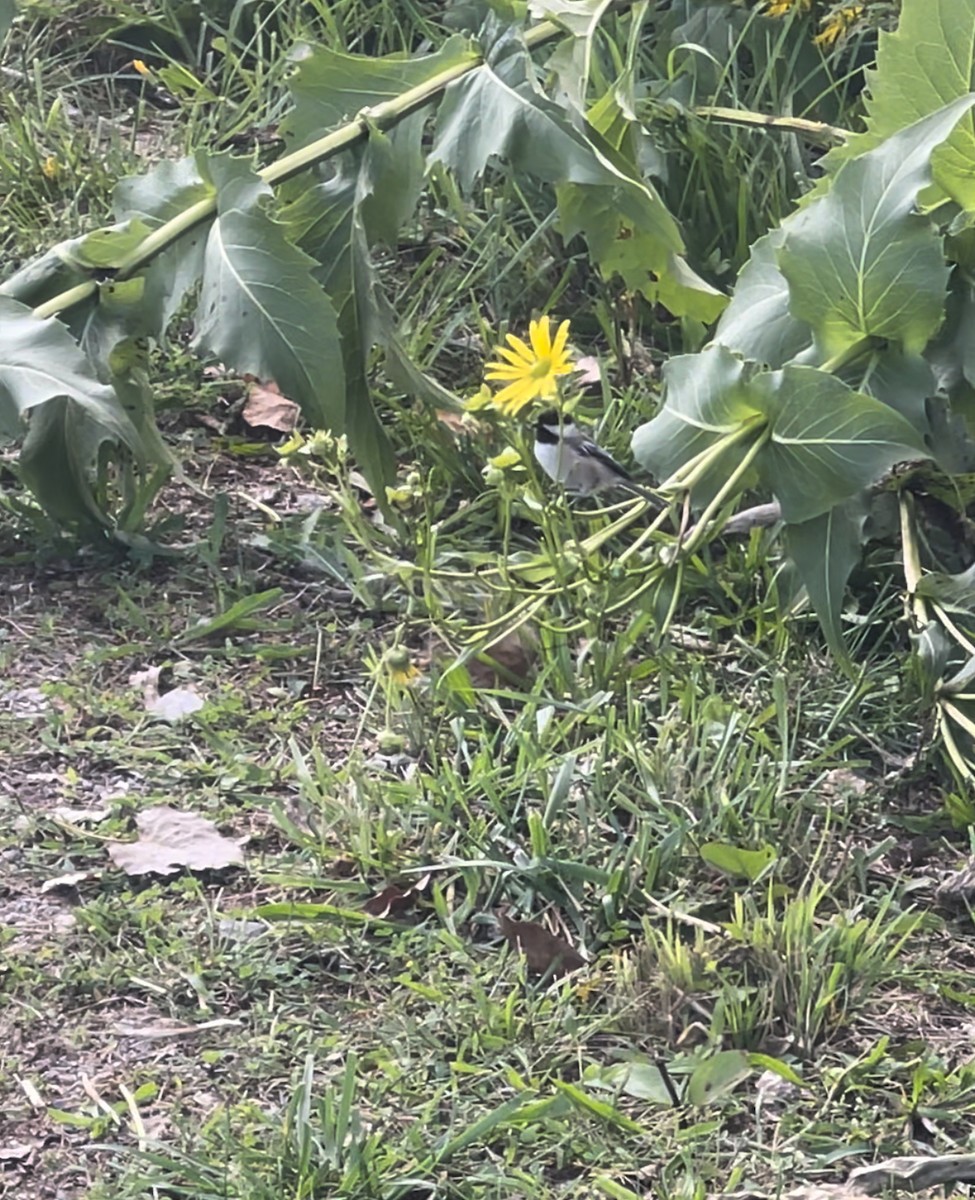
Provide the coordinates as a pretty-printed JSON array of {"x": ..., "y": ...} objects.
[{"x": 549, "y": 458}]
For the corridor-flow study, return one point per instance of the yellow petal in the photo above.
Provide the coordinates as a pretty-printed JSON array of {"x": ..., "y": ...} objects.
[
  {"x": 541, "y": 338},
  {"x": 503, "y": 371},
  {"x": 524, "y": 350},
  {"x": 561, "y": 338},
  {"x": 516, "y": 360},
  {"x": 515, "y": 396}
]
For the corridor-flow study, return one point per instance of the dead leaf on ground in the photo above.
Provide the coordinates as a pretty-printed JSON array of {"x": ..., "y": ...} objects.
[
  {"x": 588, "y": 370},
  {"x": 460, "y": 424},
  {"x": 18, "y": 1151},
  {"x": 266, "y": 408},
  {"x": 80, "y": 816},
  {"x": 67, "y": 883},
  {"x": 166, "y": 1027},
  {"x": 170, "y": 706},
  {"x": 170, "y": 840},
  {"x": 393, "y": 899},
  {"x": 545, "y": 953},
  {"x": 507, "y": 661}
]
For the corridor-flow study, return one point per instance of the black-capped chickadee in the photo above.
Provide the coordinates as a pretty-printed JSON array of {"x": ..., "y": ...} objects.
[{"x": 566, "y": 455}]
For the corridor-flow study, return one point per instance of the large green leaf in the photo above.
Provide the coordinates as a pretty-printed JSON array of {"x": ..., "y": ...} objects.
[
  {"x": 40, "y": 360},
  {"x": 497, "y": 112},
  {"x": 827, "y": 442},
  {"x": 165, "y": 192},
  {"x": 707, "y": 397},
  {"x": 925, "y": 64},
  {"x": 260, "y": 309},
  {"x": 8, "y": 10},
  {"x": 902, "y": 381},
  {"x": 860, "y": 262},
  {"x": 331, "y": 88},
  {"x": 757, "y": 322},
  {"x": 825, "y": 551}
]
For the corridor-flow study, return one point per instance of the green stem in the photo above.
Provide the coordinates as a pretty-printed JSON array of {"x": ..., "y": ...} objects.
[
  {"x": 840, "y": 360},
  {"x": 381, "y": 116},
  {"x": 912, "y": 559},
  {"x": 815, "y": 131},
  {"x": 686, "y": 477},
  {"x": 701, "y": 530}
]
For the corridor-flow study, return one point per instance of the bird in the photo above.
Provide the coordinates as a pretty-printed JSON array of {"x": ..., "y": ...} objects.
[{"x": 567, "y": 455}]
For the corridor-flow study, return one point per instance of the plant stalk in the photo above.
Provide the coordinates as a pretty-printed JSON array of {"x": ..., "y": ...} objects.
[{"x": 356, "y": 131}]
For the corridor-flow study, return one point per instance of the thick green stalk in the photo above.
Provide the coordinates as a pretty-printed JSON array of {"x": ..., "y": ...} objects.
[{"x": 356, "y": 131}]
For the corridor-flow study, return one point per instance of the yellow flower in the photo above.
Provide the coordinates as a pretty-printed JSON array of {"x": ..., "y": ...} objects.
[
  {"x": 400, "y": 666},
  {"x": 481, "y": 399},
  {"x": 141, "y": 67},
  {"x": 781, "y": 8},
  {"x": 50, "y": 167},
  {"x": 530, "y": 372},
  {"x": 834, "y": 26}
]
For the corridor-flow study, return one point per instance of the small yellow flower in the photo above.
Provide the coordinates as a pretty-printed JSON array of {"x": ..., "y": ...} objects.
[
  {"x": 782, "y": 8},
  {"x": 481, "y": 399},
  {"x": 836, "y": 24},
  {"x": 50, "y": 167},
  {"x": 530, "y": 372},
  {"x": 507, "y": 458},
  {"x": 399, "y": 665},
  {"x": 141, "y": 67}
]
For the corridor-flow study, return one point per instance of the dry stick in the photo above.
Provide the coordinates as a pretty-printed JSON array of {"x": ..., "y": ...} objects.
[{"x": 815, "y": 131}]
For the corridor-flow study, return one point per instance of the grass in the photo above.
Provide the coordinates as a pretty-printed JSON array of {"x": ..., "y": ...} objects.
[{"x": 744, "y": 842}]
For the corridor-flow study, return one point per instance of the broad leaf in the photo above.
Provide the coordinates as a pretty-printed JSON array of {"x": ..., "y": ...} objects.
[
  {"x": 902, "y": 381},
  {"x": 40, "y": 360},
  {"x": 8, "y": 10},
  {"x": 165, "y": 192},
  {"x": 498, "y": 112},
  {"x": 825, "y": 551},
  {"x": 716, "y": 1076},
  {"x": 860, "y": 262},
  {"x": 757, "y": 322},
  {"x": 331, "y": 88},
  {"x": 827, "y": 442},
  {"x": 925, "y": 64},
  {"x": 707, "y": 397},
  {"x": 735, "y": 861},
  {"x": 954, "y": 592},
  {"x": 260, "y": 309}
]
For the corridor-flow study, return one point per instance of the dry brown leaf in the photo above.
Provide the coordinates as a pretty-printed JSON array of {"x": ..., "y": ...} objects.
[
  {"x": 170, "y": 840},
  {"x": 545, "y": 953},
  {"x": 507, "y": 661},
  {"x": 588, "y": 370},
  {"x": 170, "y": 706},
  {"x": 18, "y": 1151},
  {"x": 166, "y": 1027},
  {"x": 67, "y": 882},
  {"x": 460, "y": 424},
  {"x": 393, "y": 899},
  {"x": 266, "y": 408}
]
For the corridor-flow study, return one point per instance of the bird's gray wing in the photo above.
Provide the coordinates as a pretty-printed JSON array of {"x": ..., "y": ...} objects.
[{"x": 589, "y": 449}]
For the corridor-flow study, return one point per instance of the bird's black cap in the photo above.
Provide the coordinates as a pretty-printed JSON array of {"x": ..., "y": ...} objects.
[{"x": 549, "y": 423}]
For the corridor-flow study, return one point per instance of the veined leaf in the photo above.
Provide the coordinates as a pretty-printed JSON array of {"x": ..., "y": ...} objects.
[
  {"x": 901, "y": 381},
  {"x": 860, "y": 262},
  {"x": 925, "y": 64},
  {"x": 757, "y": 322},
  {"x": 825, "y": 551},
  {"x": 260, "y": 309},
  {"x": 827, "y": 442},
  {"x": 707, "y": 397},
  {"x": 165, "y": 192},
  {"x": 498, "y": 112},
  {"x": 330, "y": 88},
  {"x": 39, "y": 359}
]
